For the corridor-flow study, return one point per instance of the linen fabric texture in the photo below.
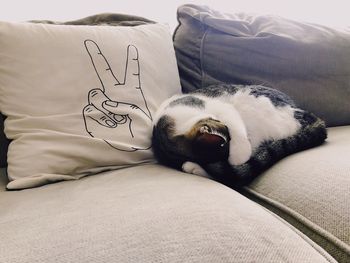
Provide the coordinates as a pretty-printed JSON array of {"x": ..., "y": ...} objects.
[
  {"x": 112, "y": 19},
  {"x": 310, "y": 190},
  {"x": 79, "y": 100},
  {"x": 145, "y": 213}
]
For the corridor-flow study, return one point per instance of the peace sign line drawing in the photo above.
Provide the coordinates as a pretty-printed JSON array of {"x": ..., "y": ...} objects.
[{"x": 107, "y": 117}]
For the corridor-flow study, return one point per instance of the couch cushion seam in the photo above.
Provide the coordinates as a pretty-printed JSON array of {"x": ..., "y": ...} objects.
[{"x": 304, "y": 221}]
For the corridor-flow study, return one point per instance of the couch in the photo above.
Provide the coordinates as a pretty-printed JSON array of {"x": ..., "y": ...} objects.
[{"x": 297, "y": 211}]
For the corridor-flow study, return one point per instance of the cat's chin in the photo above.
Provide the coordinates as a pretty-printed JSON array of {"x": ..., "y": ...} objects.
[{"x": 210, "y": 140}]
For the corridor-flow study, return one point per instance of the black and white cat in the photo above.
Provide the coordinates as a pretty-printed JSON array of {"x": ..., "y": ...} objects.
[{"x": 232, "y": 132}]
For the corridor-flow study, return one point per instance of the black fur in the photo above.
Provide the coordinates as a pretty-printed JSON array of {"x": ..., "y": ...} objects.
[
  {"x": 166, "y": 151},
  {"x": 276, "y": 97},
  {"x": 218, "y": 90},
  {"x": 310, "y": 135},
  {"x": 177, "y": 150},
  {"x": 174, "y": 153},
  {"x": 189, "y": 101}
]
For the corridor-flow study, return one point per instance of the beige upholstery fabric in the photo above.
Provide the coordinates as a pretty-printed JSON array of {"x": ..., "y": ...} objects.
[
  {"x": 79, "y": 100},
  {"x": 311, "y": 190},
  {"x": 144, "y": 214}
]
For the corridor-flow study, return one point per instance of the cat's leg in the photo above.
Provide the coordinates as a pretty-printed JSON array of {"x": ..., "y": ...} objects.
[
  {"x": 240, "y": 146},
  {"x": 194, "y": 168},
  {"x": 240, "y": 150}
]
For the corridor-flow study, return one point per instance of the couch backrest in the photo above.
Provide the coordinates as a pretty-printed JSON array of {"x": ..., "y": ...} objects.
[{"x": 3, "y": 143}]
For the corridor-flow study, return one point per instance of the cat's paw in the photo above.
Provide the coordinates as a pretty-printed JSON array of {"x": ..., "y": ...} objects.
[
  {"x": 194, "y": 168},
  {"x": 240, "y": 153}
]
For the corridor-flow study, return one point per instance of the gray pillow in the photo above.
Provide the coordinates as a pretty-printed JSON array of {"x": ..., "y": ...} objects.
[
  {"x": 309, "y": 62},
  {"x": 99, "y": 19}
]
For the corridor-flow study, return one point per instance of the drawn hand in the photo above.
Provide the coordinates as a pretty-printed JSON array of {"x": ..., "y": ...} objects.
[{"x": 112, "y": 119}]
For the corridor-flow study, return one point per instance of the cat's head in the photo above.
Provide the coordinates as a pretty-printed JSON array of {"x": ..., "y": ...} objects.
[
  {"x": 204, "y": 141},
  {"x": 209, "y": 139}
]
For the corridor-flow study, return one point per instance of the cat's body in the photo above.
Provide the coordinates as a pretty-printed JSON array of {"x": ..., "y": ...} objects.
[{"x": 232, "y": 132}]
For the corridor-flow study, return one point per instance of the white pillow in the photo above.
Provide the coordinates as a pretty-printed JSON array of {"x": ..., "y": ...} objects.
[{"x": 80, "y": 99}]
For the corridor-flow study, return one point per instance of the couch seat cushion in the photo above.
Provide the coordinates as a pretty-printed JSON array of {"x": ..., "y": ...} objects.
[
  {"x": 311, "y": 190},
  {"x": 146, "y": 213}
]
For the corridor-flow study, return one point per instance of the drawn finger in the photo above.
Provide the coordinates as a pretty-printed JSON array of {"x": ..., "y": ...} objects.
[
  {"x": 120, "y": 108},
  {"x": 101, "y": 65},
  {"x": 93, "y": 117},
  {"x": 132, "y": 70},
  {"x": 96, "y": 98}
]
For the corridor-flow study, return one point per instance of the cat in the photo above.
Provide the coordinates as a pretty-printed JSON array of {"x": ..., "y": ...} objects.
[{"x": 232, "y": 133}]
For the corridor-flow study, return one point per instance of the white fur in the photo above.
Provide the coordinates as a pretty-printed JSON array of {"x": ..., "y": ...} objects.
[
  {"x": 262, "y": 119},
  {"x": 161, "y": 110},
  {"x": 187, "y": 116},
  {"x": 250, "y": 120},
  {"x": 240, "y": 147},
  {"x": 194, "y": 168}
]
